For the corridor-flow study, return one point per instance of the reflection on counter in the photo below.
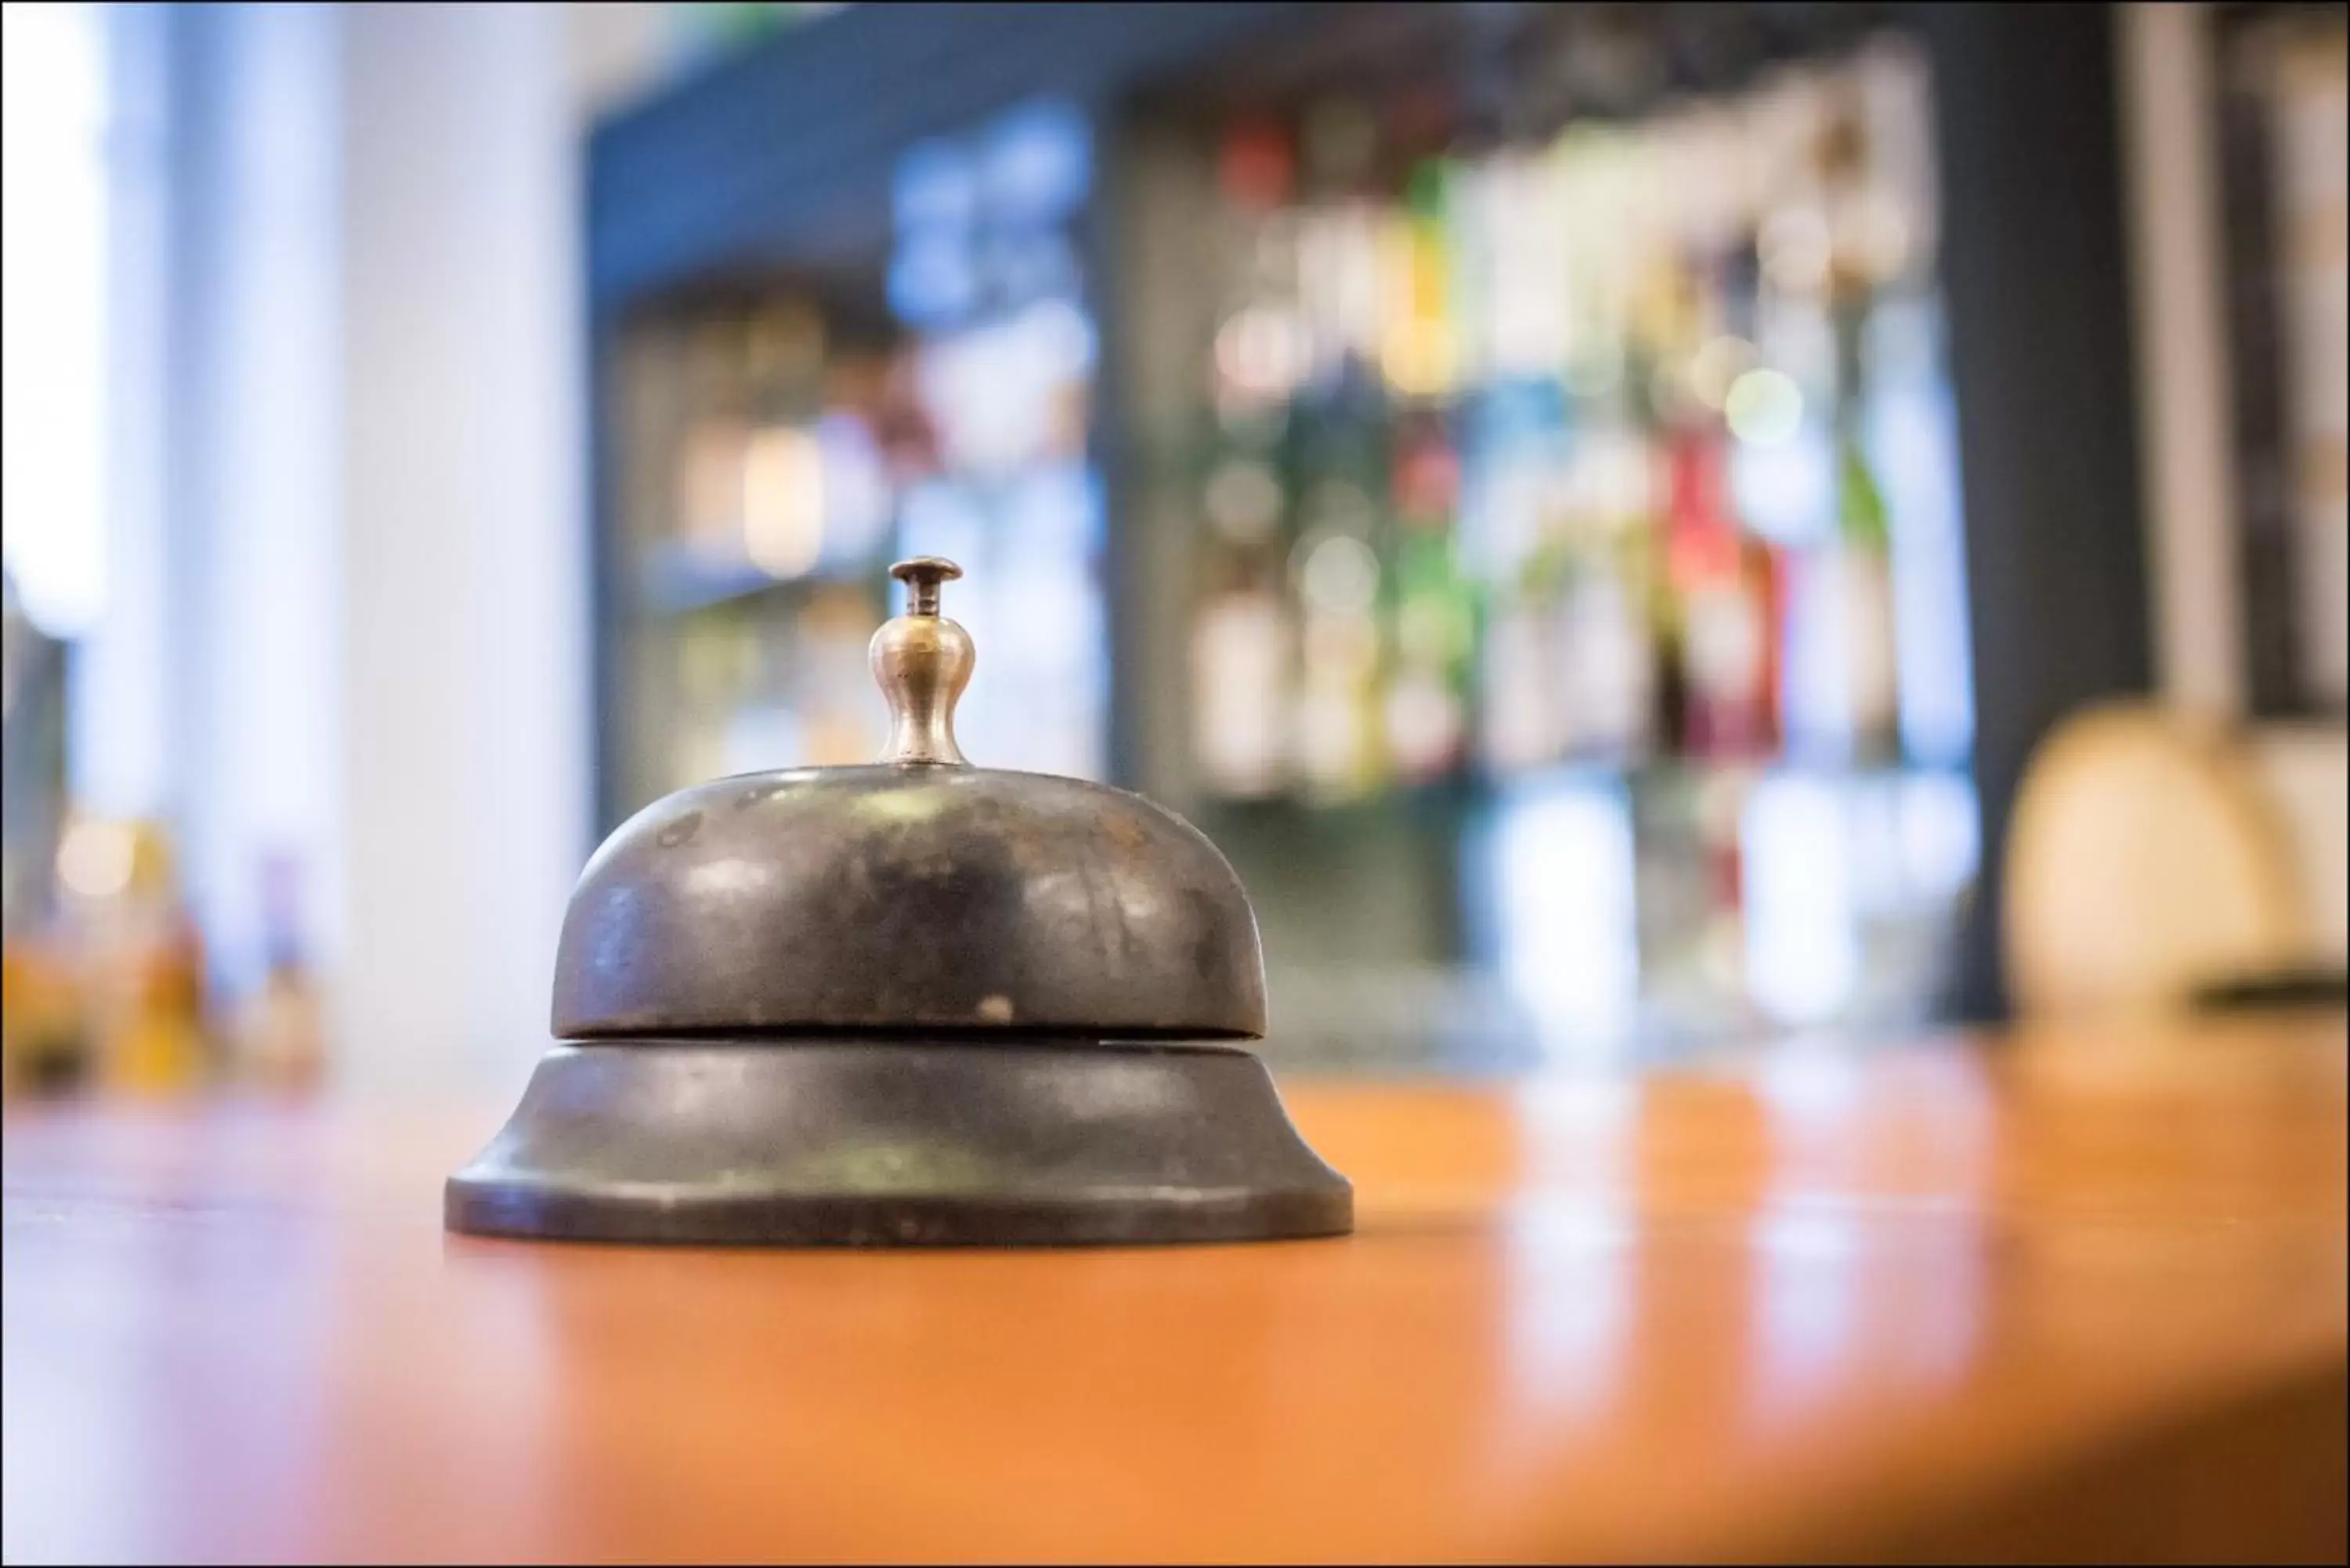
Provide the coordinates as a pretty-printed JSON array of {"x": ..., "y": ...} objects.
[{"x": 1651, "y": 914}]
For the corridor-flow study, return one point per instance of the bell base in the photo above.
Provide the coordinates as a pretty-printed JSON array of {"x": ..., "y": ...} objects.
[{"x": 881, "y": 1143}]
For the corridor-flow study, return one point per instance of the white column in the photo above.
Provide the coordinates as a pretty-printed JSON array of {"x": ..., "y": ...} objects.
[
  {"x": 465, "y": 678},
  {"x": 2172, "y": 158},
  {"x": 248, "y": 548},
  {"x": 2194, "y": 533},
  {"x": 371, "y": 544}
]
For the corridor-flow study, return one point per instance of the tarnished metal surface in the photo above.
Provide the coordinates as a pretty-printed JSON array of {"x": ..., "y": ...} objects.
[
  {"x": 914, "y": 1004},
  {"x": 909, "y": 1143},
  {"x": 920, "y": 893},
  {"x": 909, "y": 898}
]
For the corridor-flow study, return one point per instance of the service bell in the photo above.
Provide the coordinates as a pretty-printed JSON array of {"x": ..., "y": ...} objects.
[{"x": 915, "y": 1002}]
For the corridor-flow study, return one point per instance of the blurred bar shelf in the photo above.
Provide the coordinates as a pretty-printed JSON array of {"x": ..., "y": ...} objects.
[
  {"x": 676, "y": 582},
  {"x": 1035, "y": 244}
]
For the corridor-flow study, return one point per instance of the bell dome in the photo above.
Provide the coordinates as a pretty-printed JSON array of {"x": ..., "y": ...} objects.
[
  {"x": 914, "y": 897},
  {"x": 918, "y": 894}
]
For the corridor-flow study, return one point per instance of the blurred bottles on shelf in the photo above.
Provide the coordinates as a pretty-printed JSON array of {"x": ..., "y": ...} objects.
[
  {"x": 110, "y": 992},
  {"x": 117, "y": 980},
  {"x": 44, "y": 1045},
  {"x": 1560, "y": 462},
  {"x": 104, "y": 967},
  {"x": 1532, "y": 441},
  {"x": 783, "y": 440}
]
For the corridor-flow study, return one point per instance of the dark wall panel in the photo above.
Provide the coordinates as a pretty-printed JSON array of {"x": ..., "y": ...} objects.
[{"x": 2034, "y": 269}]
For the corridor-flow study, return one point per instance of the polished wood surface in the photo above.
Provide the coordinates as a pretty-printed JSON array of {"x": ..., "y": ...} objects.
[{"x": 2079, "y": 1293}]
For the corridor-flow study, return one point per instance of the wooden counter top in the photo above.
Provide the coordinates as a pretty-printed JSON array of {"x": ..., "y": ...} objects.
[{"x": 2080, "y": 1293}]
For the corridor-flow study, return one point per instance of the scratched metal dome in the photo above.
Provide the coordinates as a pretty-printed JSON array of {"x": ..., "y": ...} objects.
[
  {"x": 908, "y": 896},
  {"x": 920, "y": 893}
]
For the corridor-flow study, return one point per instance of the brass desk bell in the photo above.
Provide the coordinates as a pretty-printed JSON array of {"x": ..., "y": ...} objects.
[{"x": 917, "y": 1002}]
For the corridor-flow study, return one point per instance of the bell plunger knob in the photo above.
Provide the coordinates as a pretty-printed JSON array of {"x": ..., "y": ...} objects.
[{"x": 922, "y": 661}]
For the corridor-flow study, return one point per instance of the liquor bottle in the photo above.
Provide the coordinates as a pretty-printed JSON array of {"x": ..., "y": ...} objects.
[
  {"x": 1334, "y": 570},
  {"x": 1420, "y": 350},
  {"x": 44, "y": 1024},
  {"x": 1517, "y": 729},
  {"x": 1340, "y": 735},
  {"x": 1435, "y": 614},
  {"x": 1865, "y": 577},
  {"x": 1261, "y": 349},
  {"x": 1864, "y": 536},
  {"x": 1338, "y": 244},
  {"x": 1607, "y": 655},
  {"x": 1243, "y": 634},
  {"x": 149, "y": 965},
  {"x": 1243, "y": 657},
  {"x": 1728, "y": 584},
  {"x": 1243, "y": 637},
  {"x": 160, "y": 1049},
  {"x": 282, "y": 1044},
  {"x": 1526, "y": 243},
  {"x": 1513, "y": 527}
]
